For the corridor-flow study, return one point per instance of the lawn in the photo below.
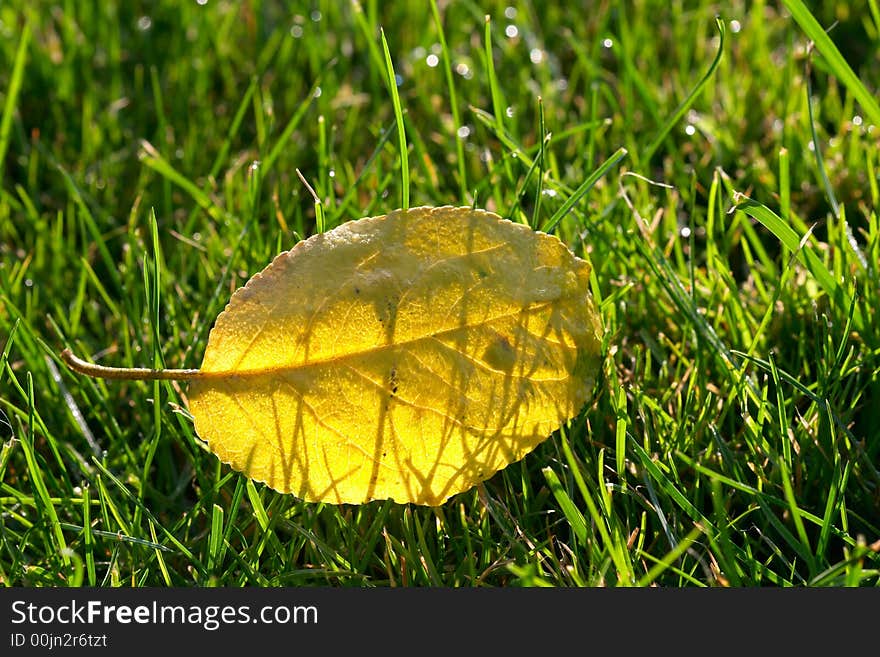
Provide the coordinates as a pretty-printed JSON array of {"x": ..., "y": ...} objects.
[{"x": 717, "y": 164}]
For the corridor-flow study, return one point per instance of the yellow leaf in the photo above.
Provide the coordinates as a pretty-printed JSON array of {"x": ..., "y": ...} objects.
[{"x": 408, "y": 356}]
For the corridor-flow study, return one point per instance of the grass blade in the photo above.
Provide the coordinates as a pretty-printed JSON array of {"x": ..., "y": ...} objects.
[
  {"x": 453, "y": 103},
  {"x": 583, "y": 188},
  {"x": 401, "y": 130},
  {"x": 836, "y": 61},
  {"x": 687, "y": 102},
  {"x": 805, "y": 253},
  {"x": 12, "y": 93}
]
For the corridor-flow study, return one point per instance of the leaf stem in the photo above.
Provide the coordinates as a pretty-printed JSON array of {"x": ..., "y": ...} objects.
[{"x": 125, "y": 373}]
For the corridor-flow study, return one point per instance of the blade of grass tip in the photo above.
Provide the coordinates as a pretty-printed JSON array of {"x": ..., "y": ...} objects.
[
  {"x": 320, "y": 220},
  {"x": 453, "y": 103},
  {"x": 692, "y": 96},
  {"x": 539, "y": 188},
  {"x": 166, "y": 577},
  {"x": 257, "y": 505},
  {"x": 784, "y": 185},
  {"x": 582, "y": 189},
  {"x": 494, "y": 89},
  {"x": 324, "y": 161},
  {"x": 806, "y": 254},
  {"x": 498, "y": 103},
  {"x": 215, "y": 539},
  {"x": 391, "y": 80},
  {"x": 154, "y": 294},
  {"x": 620, "y": 434},
  {"x": 569, "y": 509},
  {"x": 835, "y": 60},
  {"x": 15, "y": 81},
  {"x": 4, "y": 356},
  {"x": 254, "y": 185}
]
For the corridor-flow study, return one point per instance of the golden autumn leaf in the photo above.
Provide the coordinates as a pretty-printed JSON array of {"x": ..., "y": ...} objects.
[{"x": 407, "y": 356}]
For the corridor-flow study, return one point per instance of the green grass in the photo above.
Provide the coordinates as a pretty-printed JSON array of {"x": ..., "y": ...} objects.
[{"x": 149, "y": 167}]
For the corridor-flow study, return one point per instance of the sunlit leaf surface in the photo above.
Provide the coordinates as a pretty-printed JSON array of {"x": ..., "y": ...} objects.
[{"x": 408, "y": 356}]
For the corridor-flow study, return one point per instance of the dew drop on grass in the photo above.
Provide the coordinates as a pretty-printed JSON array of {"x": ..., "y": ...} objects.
[
  {"x": 509, "y": 112},
  {"x": 464, "y": 132},
  {"x": 607, "y": 43},
  {"x": 735, "y": 26},
  {"x": 510, "y": 12},
  {"x": 536, "y": 55},
  {"x": 296, "y": 31},
  {"x": 857, "y": 120},
  {"x": 432, "y": 60},
  {"x": 144, "y": 23},
  {"x": 511, "y": 31},
  {"x": 689, "y": 129}
]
